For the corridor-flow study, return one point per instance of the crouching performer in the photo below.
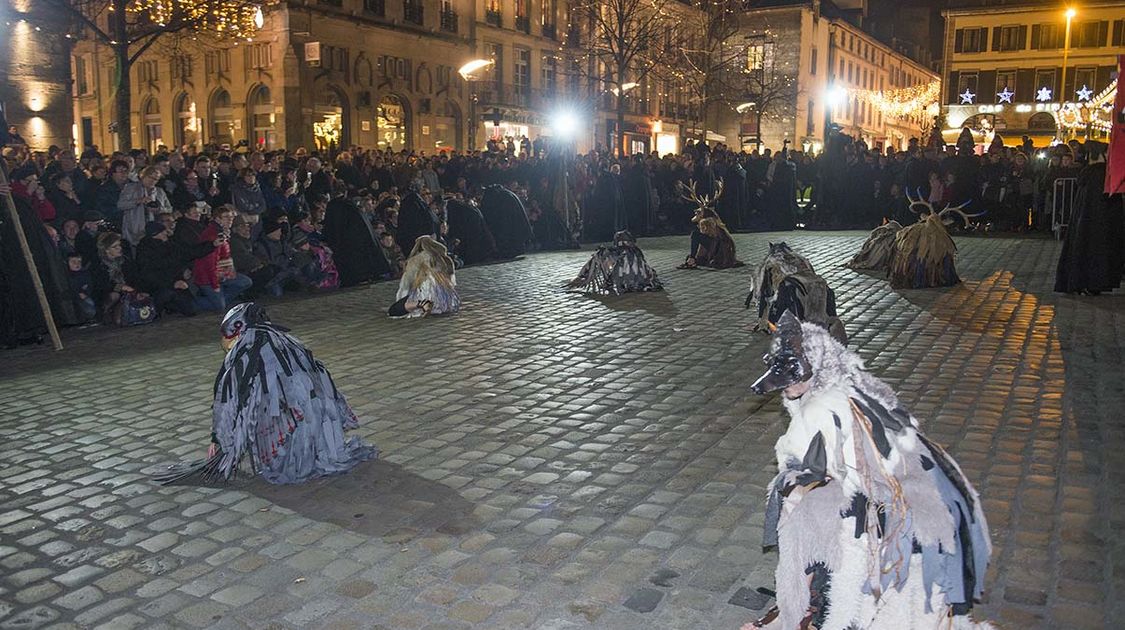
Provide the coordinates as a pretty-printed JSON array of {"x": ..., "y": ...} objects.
[
  {"x": 876, "y": 527},
  {"x": 277, "y": 404}
]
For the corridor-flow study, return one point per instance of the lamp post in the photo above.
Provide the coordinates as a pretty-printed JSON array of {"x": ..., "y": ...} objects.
[
  {"x": 834, "y": 95},
  {"x": 466, "y": 71},
  {"x": 1070, "y": 13}
]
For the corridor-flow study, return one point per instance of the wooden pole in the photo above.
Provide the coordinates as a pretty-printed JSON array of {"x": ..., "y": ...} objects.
[{"x": 44, "y": 306}]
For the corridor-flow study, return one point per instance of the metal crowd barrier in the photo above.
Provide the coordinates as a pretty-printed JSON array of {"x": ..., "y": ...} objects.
[{"x": 1062, "y": 203}]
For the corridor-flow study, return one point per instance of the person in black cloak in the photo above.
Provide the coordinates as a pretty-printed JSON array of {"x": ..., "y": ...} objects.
[
  {"x": 354, "y": 246},
  {"x": 731, "y": 206},
  {"x": 468, "y": 232},
  {"x": 1091, "y": 259},
  {"x": 21, "y": 320},
  {"x": 636, "y": 197},
  {"x": 606, "y": 212},
  {"x": 507, "y": 220},
  {"x": 415, "y": 218}
]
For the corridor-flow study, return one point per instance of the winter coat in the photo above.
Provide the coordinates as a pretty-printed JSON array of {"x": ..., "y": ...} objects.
[
  {"x": 248, "y": 199},
  {"x": 135, "y": 212}
]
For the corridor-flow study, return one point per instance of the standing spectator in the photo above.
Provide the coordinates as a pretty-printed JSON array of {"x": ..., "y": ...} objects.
[
  {"x": 139, "y": 203},
  {"x": 110, "y": 191},
  {"x": 218, "y": 283}
]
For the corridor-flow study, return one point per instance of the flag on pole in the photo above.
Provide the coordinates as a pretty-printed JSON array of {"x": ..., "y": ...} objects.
[{"x": 1115, "y": 167}]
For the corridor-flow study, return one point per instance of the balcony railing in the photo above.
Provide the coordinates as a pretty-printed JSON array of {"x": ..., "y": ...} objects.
[
  {"x": 375, "y": 7},
  {"x": 523, "y": 23},
  {"x": 449, "y": 20},
  {"x": 412, "y": 11},
  {"x": 516, "y": 96},
  {"x": 493, "y": 17},
  {"x": 549, "y": 31}
]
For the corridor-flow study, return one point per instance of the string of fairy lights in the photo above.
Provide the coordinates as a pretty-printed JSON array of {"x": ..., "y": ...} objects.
[
  {"x": 903, "y": 102},
  {"x": 229, "y": 18}
]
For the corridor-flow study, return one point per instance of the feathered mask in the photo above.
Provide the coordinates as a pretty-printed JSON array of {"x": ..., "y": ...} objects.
[
  {"x": 786, "y": 364},
  {"x": 238, "y": 319}
]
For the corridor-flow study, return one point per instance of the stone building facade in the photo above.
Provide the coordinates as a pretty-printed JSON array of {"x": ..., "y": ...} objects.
[
  {"x": 35, "y": 87},
  {"x": 1005, "y": 72},
  {"x": 813, "y": 48}
]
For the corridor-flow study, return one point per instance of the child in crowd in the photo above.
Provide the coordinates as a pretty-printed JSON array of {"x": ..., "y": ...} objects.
[
  {"x": 81, "y": 290},
  {"x": 393, "y": 253}
]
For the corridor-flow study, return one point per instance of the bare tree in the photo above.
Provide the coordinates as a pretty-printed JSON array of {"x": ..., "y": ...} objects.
[
  {"x": 707, "y": 55},
  {"x": 760, "y": 80},
  {"x": 621, "y": 44},
  {"x": 131, "y": 27}
]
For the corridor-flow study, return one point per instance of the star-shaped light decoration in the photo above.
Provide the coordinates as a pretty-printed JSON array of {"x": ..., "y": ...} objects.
[
  {"x": 1006, "y": 95},
  {"x": 967, "y": 97},
  {"x": 1044, "y": 94},
  {"x": 1084, "y": 94}
]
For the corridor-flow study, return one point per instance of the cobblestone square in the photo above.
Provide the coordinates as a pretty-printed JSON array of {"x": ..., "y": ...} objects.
[{"x": 550, "y": 460}]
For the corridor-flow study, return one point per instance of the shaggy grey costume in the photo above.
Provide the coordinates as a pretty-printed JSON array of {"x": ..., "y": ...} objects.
[
  {"x": 875, "y": 525},
  {"x": 786, "y": 281}
]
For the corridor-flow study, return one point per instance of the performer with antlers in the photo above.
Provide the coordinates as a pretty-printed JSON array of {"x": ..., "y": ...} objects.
[
  {"x": 711, "y": 242},
  {"x": 923, "y": 252}
]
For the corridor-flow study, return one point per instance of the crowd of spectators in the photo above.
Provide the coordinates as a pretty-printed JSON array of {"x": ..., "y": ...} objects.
[{"x": 187, "y": 231}]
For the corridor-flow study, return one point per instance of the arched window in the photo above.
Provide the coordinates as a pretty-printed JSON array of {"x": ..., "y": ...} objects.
[
  {"x": 260, "y": 107},
  {"x": 330, "y": 118},
  {"x": 222, "y": 118},
  {"x": 186, "y": 122},
  {"x": 153, "y": 131},
  {"x": 1042, "y": 121},
  {"x": 393, "y": 120}
]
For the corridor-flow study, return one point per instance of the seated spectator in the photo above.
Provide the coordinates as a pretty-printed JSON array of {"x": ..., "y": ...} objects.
[
  {"x": 68, "y": 238},
  {"x": 393, "y": 253},
  {"x": 217, "y": 282},
  {"x": 246, "y": 193},
  {"x": 246, "y": 262},
  {"x": 108, "y": 277},
  {"x": 162, "y": 269},
  {"x": 81, "y": 288},
  {"x": 86, "y": 241},
  {"x": 190, "y": 225},
  {"x": 274, "y": 249},
  {"x": 140, "y": 202}
]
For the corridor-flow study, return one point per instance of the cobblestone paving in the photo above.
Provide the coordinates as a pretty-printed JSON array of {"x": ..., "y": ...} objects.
[{"x": 552, "y": 460}]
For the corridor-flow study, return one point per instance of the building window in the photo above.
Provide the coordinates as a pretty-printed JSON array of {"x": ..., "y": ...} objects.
[
  {"x": 1090, "y": 35},
  {"x": 448, "y": 17},
  {"x": 492, "y": 13},
  {"x": 1006, "y": 79},
  {"x": 375, "y": 7},
  {"x": 970, "y": 40},
  {"x": 548, "y": 11},
  {"x": 180, "y": 66},
  {"x": 1047, "y": 36},
  {"x": 1011, "y": 37},
  {"x": 812, "y": 63},
  {"x": 967, "y": 81},
  {"x": 259, "y": 56},
  {"x": 147, "y": 71},
  {"x": 1083, "y": 77},
  {"x": 810, "y": 120},
  {"x": 412, "y": 11},
  {"x": 523, "y": 16},
  {"x": 549, "y": 79},
  {"x": 759, "y": 55},
  {"x": 83, "y": 79},
  {"x": 522, "y": 79},
  {"x": 1046, "y": 79},
  {"x": 495, "y": 73}
]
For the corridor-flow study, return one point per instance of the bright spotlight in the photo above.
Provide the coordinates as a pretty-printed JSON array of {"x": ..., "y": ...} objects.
[
  {"x": 565, "y": 124},
  {"x": 259, "y": 18},
  {"x": 744, "y": 107},
  {"x": 624, "y": 88},
  {"x": 1070, "y": 13},
  {"x": 835, "y": 95}
]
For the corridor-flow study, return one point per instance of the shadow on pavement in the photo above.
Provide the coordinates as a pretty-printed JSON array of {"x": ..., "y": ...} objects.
[
  {"x": 376, "y": 498},
  {"x": 655, "y": 302}
]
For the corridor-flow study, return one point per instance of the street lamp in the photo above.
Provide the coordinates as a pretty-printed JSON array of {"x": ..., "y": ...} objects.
[
  {"x": 1070, "y": 13},
  {"x": 741, "y": 110},
  {"x": 466, "y": 71}
]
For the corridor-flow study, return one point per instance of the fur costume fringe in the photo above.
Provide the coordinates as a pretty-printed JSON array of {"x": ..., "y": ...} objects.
[
  {"x": 923, "y": 256},
  {"x": 878, "y": 249}
]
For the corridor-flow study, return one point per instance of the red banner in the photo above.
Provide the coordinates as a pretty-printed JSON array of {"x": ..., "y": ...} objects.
[{"x": 1115, "y": 171}]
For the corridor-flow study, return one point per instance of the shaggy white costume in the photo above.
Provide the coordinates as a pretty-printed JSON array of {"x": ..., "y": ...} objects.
[
  {"x": 875, "y": 525},
  {"x": 786, "y": 281}
]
